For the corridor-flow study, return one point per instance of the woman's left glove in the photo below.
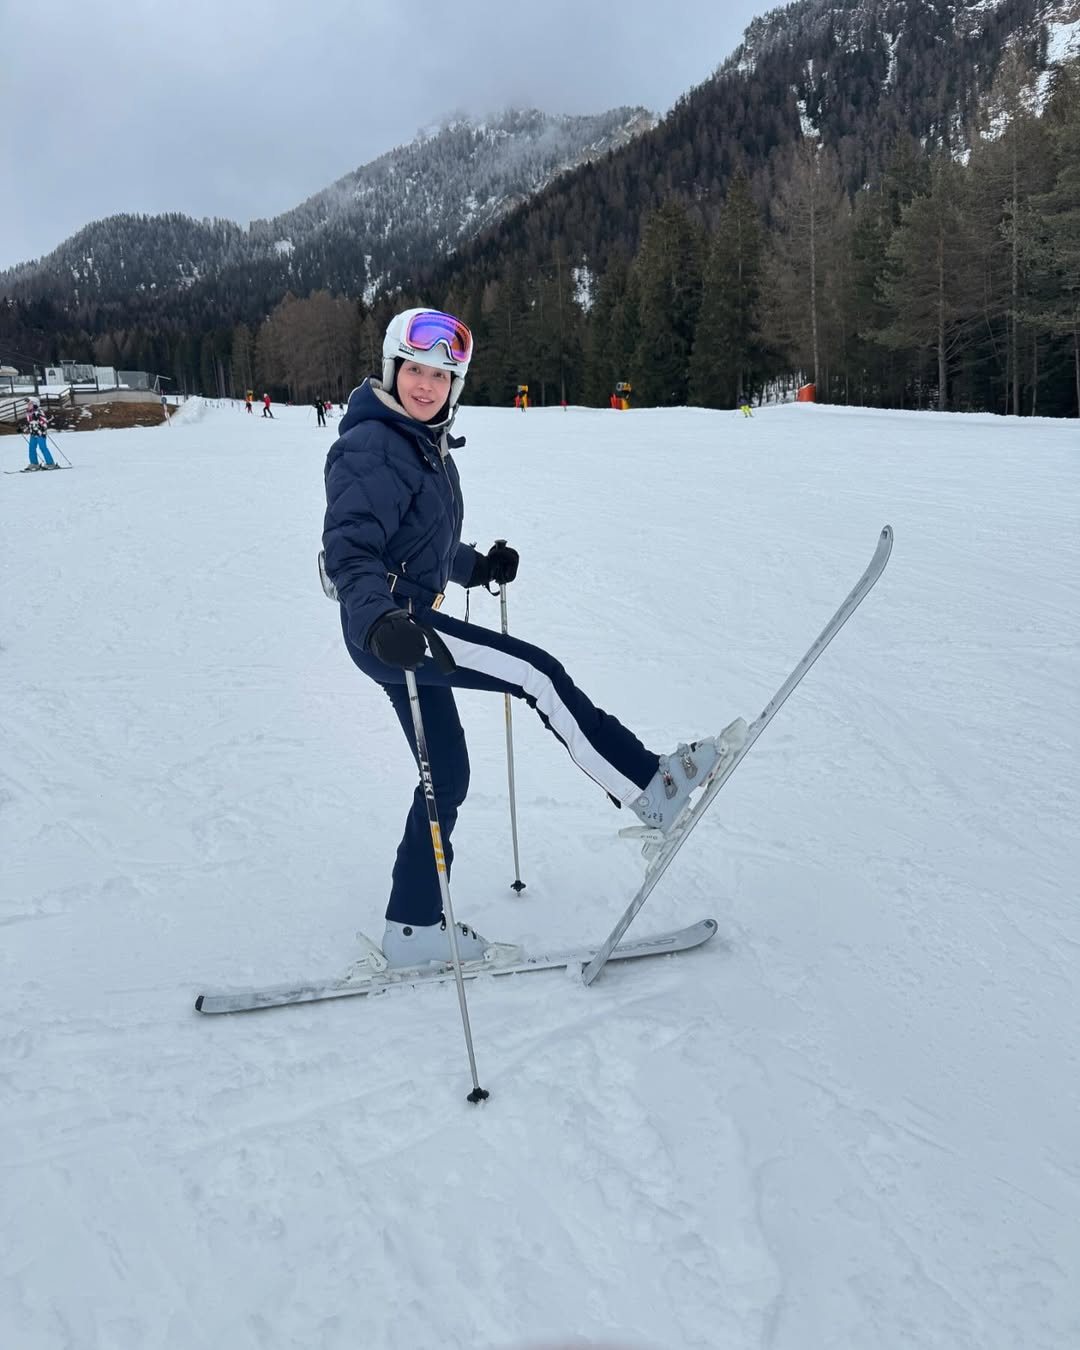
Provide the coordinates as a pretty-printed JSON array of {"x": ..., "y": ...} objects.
[{"x": 502, "y": 561}]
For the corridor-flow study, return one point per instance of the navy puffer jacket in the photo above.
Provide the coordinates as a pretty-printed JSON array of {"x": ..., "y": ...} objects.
[{"x": 393, "y": 505}]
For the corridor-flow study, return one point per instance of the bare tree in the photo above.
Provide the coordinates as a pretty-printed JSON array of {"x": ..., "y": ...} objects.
[
  {"x": 310, "y": 346},
  {"x": 1008, "y": 166},
  {"x": 811, "y": 215}
]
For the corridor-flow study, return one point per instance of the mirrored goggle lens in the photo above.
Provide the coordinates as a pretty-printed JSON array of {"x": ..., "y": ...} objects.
[{"x": 426, "y": 331}]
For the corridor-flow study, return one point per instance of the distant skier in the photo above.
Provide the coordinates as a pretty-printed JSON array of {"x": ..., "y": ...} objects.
[
  {"x": 320, "y": 412},
  {"x": 392, "y": 539},
  {"x": 266, "y": 406},
  {"x": 37, "y": 426},
  {"x": 249, "y": 399}
]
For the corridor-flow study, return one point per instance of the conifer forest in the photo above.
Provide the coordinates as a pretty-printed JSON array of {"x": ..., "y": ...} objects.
[{"x": 867, "y": 197}]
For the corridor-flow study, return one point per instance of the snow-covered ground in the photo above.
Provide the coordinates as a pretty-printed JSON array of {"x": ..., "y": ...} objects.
[{"x": 850, "y": 1121}]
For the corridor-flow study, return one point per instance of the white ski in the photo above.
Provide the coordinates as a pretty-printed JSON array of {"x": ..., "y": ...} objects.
[
  {"x": 372, "y": 982},
  {"x": 660, "y": 848}
]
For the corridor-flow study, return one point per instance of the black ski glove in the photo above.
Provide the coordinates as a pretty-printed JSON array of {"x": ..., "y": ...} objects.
[
  {"x": 502, "y": 562},
  {"x": 397, "y": 641}
]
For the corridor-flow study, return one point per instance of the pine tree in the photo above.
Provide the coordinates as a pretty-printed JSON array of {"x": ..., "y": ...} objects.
[
  {"x": 546, "y": 330},
  {"x": 728, "y": 345},
  {"x": 609, "y": 341},
  {"x": 1052, "y": 245},
  {"x": 668, "y": 269},
  {"x": 929, "y": 292},
  {"x": 876, "y": 374},
  {"x": 241, "y": 365},
  {"x": 871, "y": 365}
]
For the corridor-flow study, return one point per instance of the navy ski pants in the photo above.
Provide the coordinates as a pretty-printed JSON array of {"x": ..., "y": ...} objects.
[{"x": 597, "y": 742}]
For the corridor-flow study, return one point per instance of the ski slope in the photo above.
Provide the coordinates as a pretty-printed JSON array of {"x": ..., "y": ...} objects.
[{"x": 850, "y": 1121}]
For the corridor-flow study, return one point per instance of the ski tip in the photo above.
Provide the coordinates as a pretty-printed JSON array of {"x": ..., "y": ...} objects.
[{"x": 198, "y": 1003}]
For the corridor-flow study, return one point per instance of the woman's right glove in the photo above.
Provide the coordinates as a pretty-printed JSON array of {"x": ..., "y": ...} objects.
[
  {"x": 397, "y": 641},
  {"x": 499, "y": 565},
  {"x": 502, "y": 562}
]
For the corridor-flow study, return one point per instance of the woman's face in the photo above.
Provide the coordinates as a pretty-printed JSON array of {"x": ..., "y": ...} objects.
[{"x": 422, "y": 390}]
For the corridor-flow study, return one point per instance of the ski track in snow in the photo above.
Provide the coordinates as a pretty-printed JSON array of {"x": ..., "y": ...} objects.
[{"x": 848, "y": 1121}]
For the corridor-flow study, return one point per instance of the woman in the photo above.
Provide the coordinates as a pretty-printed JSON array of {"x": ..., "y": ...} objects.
[{"x": 392, "y": 542}]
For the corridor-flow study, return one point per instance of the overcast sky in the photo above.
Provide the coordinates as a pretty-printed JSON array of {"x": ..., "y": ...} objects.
[{"x": 242, "y": 109}]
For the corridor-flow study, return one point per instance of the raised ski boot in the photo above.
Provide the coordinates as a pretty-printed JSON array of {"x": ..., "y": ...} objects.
[
  {"x": 666, "y": 801},
  {"x": 405, "y": 945}
]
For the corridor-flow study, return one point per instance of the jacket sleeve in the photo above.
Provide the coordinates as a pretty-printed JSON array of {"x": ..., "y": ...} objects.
[
  {"x": 463, "y": 568},
  {"x": 365, "y": 503}
]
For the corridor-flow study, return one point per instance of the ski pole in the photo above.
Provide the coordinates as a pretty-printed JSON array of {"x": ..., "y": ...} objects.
[
  {"x": 50, "y": 436},
  {"x": 60, "y": 452},
  {"x": 517, "y": 884},
  {"x": 478, "y": 1094}
]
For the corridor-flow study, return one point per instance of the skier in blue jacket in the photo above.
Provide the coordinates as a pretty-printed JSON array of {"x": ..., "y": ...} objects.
[{"x": 391, "y": 544}]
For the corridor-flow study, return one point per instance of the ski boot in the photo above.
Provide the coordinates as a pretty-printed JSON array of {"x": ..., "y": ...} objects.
[
  {"x": 405, "y": 945},
  {"x": 667, "y": 802}
]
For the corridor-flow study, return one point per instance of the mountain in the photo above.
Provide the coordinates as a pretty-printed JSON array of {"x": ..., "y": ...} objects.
[
  {"x": 860, "y": 76},
  {"x": 425, "y": 199},
  {"x": 862, "y": 101},
  {"x": 364, "y": 232}
]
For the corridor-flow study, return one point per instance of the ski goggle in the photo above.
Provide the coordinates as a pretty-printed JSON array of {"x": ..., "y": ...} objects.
[{"x": 425, "y": 331}]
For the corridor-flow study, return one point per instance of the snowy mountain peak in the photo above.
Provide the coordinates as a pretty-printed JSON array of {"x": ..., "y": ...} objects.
[{"x": 374, "y": 226}]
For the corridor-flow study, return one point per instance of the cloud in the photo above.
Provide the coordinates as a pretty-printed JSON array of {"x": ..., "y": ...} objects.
[{"x": 232, "y": 108}]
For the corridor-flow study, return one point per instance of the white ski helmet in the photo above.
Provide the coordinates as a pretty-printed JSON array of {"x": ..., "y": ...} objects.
[{"x": 434, "y": 339}]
